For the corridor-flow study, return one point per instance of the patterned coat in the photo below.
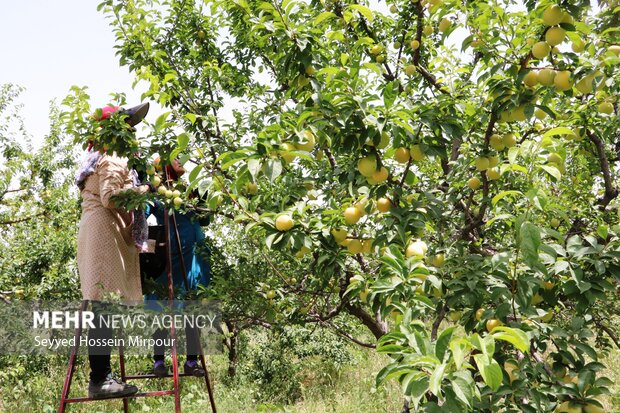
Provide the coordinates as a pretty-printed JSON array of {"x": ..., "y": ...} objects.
[{"x": 107, "y": 257}]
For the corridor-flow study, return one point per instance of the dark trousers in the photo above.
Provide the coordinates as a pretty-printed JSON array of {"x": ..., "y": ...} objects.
[
  {"x": 99, "y": 355},
  {"x": 191, "y": 340}
]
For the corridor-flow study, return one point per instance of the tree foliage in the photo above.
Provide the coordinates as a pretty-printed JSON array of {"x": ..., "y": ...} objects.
[{"x": 442, "y": 171}]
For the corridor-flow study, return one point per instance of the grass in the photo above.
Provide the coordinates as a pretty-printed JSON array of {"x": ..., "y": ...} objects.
[{"x": 350, "y": 389}]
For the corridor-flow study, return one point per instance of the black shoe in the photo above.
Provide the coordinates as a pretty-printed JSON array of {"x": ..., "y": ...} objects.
[
  {"x": 159, "y": 369},
  {"x": 110, "y": 387},
  {"x": 193, "y": 368}
]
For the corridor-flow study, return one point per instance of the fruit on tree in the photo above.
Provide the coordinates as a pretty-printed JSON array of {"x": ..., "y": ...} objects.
[
  {"x": 492, "y": 323},
  {"x": 251, "y": 188},
  {"x": 156, "y": 180},
  {"x": 414, "y": 44},
  {"x": 553, "y": 15},
  {"x": 540, "y": 114},
  {"x": 285, "y": 152},
  {"x": 355, "y": 246},
  {"x": 384, "y": 205},
  {"x": 427, "y": 30},
  {"x": 562, "y": 81},
  {"x": 416, "y": 153},
  {"x": 402, "y": 155},
  {"x": 555, "y": 222},
  {"x": 271, "y": 294},
  {"x": 177, "y": 201},
  {"x": 367, "y": 246},
  {"x": 169, "y": 193},
  {"x": 606, "y": 108},
  {"x": 555, "y": 158},
  {"x": 546, "y": 76},
  {"x": 309, "y": 143},
  {"x": 376, "y": 49},
  {"x": 454, "y": 316},
  {"x": 438, "y": 260},
  {"x": 495, "y": 142},
  {"x": 541, "y": 50},
  {"x": 568, "y": 407},
  {"x": 511, "y": 366},
  {"x": 176, "y": 193},
  {"x": 380, "y": 175},
  {"x": 367, "y": 165},
  {"x": 578, "y": 46},
  {"x": 473, "y": 183},
  {"x": 310, "y": 70},
  {"x": 284, "y": 222},
  {"x": 615, "y": 49},
  {"x": 352, "y": 215},
  {"x": 555, "y": 36},
  {"x": 493, "y": 174},
  {"x": 531, "y": 79},
  {"x": 593, "y": 408},
  {"x": 444, "y": 24},
  {"x": 482, "y": 163},
  {"x": 479, "y": 313},
  {"x": 417, "y": 248},
  {"x": 509, "y": 140},
  {"x": 339, "y": 234},
  {"x": 410, "y": 70}
]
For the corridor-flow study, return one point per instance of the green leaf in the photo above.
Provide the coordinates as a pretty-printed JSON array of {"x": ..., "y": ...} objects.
[
  {"x": 529, "y": 241},
  {"x": 363, "y": 10},
  {"x": 490, "y": 370},
  {"x": 323, "y": 16},
  {"x": 254, "y": 166},
  {"x": 436, "y": 379},
  {"x": 183, "y": 140},
  {"x": 515, "y": 336},
  {"x": 273, "y": 169},
  {"x": 553, "y": 171},
  {"x": 462, "y": 390},
  {"x": 558, "y": 131},
  {"x": 504, "y": 194},
  {"x": 443, "y": 341}
]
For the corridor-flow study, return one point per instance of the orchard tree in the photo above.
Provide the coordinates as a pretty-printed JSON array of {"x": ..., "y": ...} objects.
[
  {"x": 38, "y": 209},
  {"x": 443, "y": 171}
]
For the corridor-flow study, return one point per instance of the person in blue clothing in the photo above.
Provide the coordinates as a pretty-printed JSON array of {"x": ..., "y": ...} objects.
[{"x": 195, "y": 253}]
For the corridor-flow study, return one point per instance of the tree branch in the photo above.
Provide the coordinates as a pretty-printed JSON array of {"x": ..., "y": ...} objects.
[{"x": 611, "y": 192}]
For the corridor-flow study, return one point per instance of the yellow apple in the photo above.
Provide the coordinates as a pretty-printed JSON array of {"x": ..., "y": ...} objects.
[
  {"x": 352, "y": 215},
  {"x": 410, "y": 70},
  {"x": 302, "y": 252},
  {"x": 169, "y": 193},
  {"x": 355, "y": 246},
  {"x": 546, "y": 77},
  {"x": 308, "y": 145},
  {"x": 402, "y": 155},
  {"x": 427, "y": 30},
  {"x": 367, "y": 246},
  {"x": 381, "y": 175},
  {"x": 578, "y": 46},
  {"x": 385, "y": 140},
  {"x": 384, "y": 204},
  {"x": 271, "y": 294},
  {"x": 310, "y": 70},
  {"x": 509, "y": 140},
  {"x": 473, "y": 183},
  {"x": 176, "y": 193},
  {"x": 438, "y": 260},
  {"x": 555, "y": 158},
  {"x": 555, "y": 36},
  {"x": 615, "y": 49},
  {"x": 593, "y": 408},
  {"x": 606, "y": 108},
  {"x": 492, "y": 323},
  {"x": 162, "y": 190},
  {"x": 531, "y": 79},
  {"x": 414, "y": 44},
  {"x": 285, "y": 152},
  {"x": 284, "y": 222},
  {"x": 339, "y": 234},
  {"x": 416, "y": 249},
  {"x": 156, "y": 180},
  {"x": 493, "y": 174},
  {"x": 367, "y": 165},
  {"x": 562, "y": 81},
  {"x": 444, "y": 25},
  {"x": 482, "y": 163},
  {"x": 495, "y": 141},
  {"x": 455, "y": 316},
  {"x": 177, "y": 201},
  {"x": 479, "y": 314},
  {"x": 376, "y": 49},
  {"x": 416, "y": 153},
  {"x": 553, "y": 15},
  {"x": 541, "y": 50},
  {"x": 540, "y": 114}
]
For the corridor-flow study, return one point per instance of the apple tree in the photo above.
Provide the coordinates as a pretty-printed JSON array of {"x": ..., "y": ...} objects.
[{"x": 442, "y": 171}]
